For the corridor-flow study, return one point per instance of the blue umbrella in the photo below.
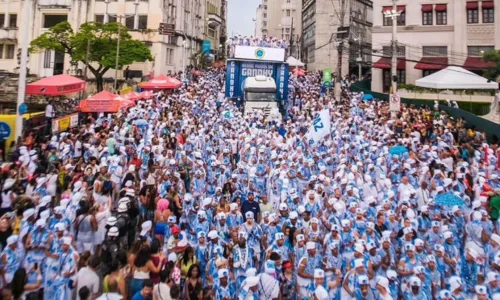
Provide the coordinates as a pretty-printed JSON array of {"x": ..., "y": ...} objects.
[
  {"x": 398, "y": 150},
  {"x": 448, "y": 199},
  {"x": 367, "y": 97},
  {"x": 141, "y": 122}
]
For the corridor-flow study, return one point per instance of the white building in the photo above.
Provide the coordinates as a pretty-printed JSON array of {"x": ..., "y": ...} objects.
[
  {"x": 281, "y": 19},
  {"x": 168, "y": 52},
  {"x": 431, "y": 35}
]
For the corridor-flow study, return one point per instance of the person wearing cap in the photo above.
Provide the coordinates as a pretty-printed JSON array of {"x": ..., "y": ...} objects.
[
  {"x": 10, "y": 259},
  {"x": 253, "y": 234},
  {"x": 67, "y": 268},
  {"x": 250, "y": 290},
  {"x": 481, "y": 292},
  {"x": 234, "y": 217},
  {"x": 36, "y": 243},
  {"x": 415, "y": 290},
  {"x": 351, "y": 282},
  {"x": 223, "y": 289},
  {"x": 173, "y": 242},
  {"x": 243, "y": 257},
  {"x": 307, "y": 264},
  {"x": 492, "y": 282}
]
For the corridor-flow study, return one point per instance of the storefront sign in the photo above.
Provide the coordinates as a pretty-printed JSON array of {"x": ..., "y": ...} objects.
[{"x": 64, "y": 123}]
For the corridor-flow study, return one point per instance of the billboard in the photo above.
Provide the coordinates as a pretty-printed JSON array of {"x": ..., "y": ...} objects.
[
  {"x": 206, "y": 46},
  {"x": 260, "y": 53}
]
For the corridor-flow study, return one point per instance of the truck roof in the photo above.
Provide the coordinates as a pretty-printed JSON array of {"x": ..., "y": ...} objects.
[{"x": 262, "y": 83}]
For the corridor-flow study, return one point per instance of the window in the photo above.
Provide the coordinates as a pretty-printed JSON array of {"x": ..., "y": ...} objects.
[
  {"x": 427, "y": 17},
  {"x": 287, "y": 1},
  {"x": 9, "y": 54},
  {"x": 47, "y": 56},
  {"x": 1, "y": 51},
  {"x": 99, "y": 18},
  {"x": 429, "y": 72},
  {"x": 170, "y": 56},
  {"x": 287, "y": 37},
  {"x": 265, "y": 15},
  {"x": 435, "y": 51},
  {"x": 143, "y": 22},
  {"x": 401, "y": 19},
  {"x": 51, "y": 20},
  {"x": 472, "y": 16},
  {"x": 129, "y": 22},
  {"x": 264, "y": 23},
  {"x": 441, "y": 18},
  {"x": 387, "y": 51},
  {"x": 287, "y": 12},
  {"x": 287, "y": 30},
  {"x": 13, "y": 21},
  {"x": 488, "y": 15},
  {"x": 401, "y": 76},
  {"x": 478, "y": 50},
  {"x": 2, "y": 21},
  {"x": 112, "y": 19}
]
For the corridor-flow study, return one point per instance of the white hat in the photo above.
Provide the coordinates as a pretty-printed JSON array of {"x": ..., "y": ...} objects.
[
  {"x": 359, "y": 248},
  {"x": 172, "y": 257},
  {"x": 212, "y": 234},
  {"x": 111, "y": 221},
  {"x": 40, "y": 223},
  {"x": 249, "y": 215},
  {"x": 491, "y": 276},
  {"x": 358, "y": 263},
  {"x": 455, "y": 283},
  {"x": 447, "y": 235},
  {"x": 145, "y": 227},
  {"x": 415, "y": 281},
  {"x": 382, "y": 281},
  {"x": 223, "y": 273},
  {"x": 310, "y": 245},
  {"x": 481, "y": 290},
  {"x": 363, "y": 279},
  {"x": 283, "y": 206},
  {"x": 113, "y": 231},
  {"x": 252, "y": 281},
  {"x": 391, "y": 274},
  {"x": 300, "y": 238},
  {"x": 279, "y": 236},
  {"x": 319, "y": 273},
  {"x": 77, "y": 186},
  {"x": 28, "y": 213},
  {"x": 418, "y": 243},
  {"x": 60, "y": 226},
  {"x": 12, "y": 239},
  {"x": 122, "y": 207},
  {"x": 495, "y": 237}
]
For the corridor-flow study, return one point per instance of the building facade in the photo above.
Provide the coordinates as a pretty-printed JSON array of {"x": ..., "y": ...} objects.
[
  {"x": 142, "y": 18},
  {"x": 320, "y": 41},
  {"x": 432, "y": 35},
  {"x": 215, "y": 28},
  {"x": 280, "y": 19}
]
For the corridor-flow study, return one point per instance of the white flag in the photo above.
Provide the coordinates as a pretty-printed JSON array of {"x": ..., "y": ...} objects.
[{"x": 320, "y": 126}]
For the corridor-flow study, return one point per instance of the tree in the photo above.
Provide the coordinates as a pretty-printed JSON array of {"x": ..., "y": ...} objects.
[
  {"x": 100, "y": 40},
  {"x": 493, "y": 56},
  {"x": 200, "y": 60}
]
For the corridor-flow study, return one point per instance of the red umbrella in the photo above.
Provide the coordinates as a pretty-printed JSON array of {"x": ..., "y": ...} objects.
[
  {"x": 125, "y": 103},
  {"x": 56, "y": 86},
  {"x": 146, "y": 95},
  {"x": 161, "y": 82},
  {"x": 299, "y": 72},
  {"x": 101, "y": 102}
]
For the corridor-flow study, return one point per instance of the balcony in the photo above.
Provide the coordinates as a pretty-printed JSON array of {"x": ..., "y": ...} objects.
[
  {"x": 214, "y": 19},
  {"x": 8, "y": 35}
]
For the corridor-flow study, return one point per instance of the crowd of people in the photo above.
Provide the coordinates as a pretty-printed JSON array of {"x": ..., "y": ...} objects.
[{"x": 184, "y": 196}]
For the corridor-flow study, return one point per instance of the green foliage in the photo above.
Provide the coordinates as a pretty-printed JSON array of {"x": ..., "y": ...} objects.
[
  {"x": 200, "y": 60},
  {"x": 493, "y": 56},
  {"x": 101, "y": 42}
]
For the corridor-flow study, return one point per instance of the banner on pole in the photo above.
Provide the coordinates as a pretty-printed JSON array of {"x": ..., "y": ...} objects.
[
  {"x": 320, "y": 127},
  {"x": 395, "y": 102},
  {"x": 327, "y": 76}
]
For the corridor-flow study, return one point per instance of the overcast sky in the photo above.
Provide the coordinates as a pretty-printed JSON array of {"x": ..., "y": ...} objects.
[{"x": 240, "y": 15}]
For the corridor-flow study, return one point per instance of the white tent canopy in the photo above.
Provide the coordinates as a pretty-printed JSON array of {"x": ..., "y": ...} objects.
[
  {"x": 456, "y": 78},
  {"x": 293, "y": 62}
]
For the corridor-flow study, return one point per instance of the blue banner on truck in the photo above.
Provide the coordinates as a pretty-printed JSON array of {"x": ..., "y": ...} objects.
[{"x": 238, "y": 71}]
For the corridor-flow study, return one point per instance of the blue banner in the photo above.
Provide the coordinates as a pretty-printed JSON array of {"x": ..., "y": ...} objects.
[{"x": 206, "y": 46}]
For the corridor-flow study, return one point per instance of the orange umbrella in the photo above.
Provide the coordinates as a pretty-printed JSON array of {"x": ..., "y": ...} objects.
[{"x": 101, "y": 102}]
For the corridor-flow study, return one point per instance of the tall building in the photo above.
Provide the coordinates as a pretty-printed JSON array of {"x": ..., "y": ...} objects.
[
  {"x": 142, "y": 18},
  {"x": 280, "y": 19},
  {"x": 321, "y": 34},
  {"x": 432, "y": 35},
  {"x": 215, "y": 28}
]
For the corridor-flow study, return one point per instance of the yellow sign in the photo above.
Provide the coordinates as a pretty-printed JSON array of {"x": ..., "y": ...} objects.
[
  {"x": 126, "y": 90},
  {"x": 64, "y": 123},
  {"x": 11, "y": 121}
]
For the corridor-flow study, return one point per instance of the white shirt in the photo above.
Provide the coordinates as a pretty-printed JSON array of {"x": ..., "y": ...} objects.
[
  {"x": 87, "y": 277},
  {"x": 162, "y": 291},
  {"x": 49, "y": 111}
]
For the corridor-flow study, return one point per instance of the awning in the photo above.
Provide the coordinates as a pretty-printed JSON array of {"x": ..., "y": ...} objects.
[
  {"x": 56, "y": 86},
  {"x": 472, "y": 5},
  {"x": 101, "y": 102},
  {"x": 440, "y": 7},
  {"x": 400, "y": 8},
  {"x": 432, "y": 63},
  {"x": 161, "y": 82},
  {"x": 487, "y": 4},
  {"x": 426, "y": 7},
  {"x": 385, "y": 63},
  {"x": 477, "y": 63}
]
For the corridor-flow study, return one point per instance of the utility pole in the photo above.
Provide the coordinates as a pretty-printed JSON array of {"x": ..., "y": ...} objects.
[
  {"x": 340, "y": 51},
  {"x": 21, "y": 89},
  {"x": 291, "y": 40},
  {"x": 118, "y": 51},
  {"x": 394, "y": 14}
]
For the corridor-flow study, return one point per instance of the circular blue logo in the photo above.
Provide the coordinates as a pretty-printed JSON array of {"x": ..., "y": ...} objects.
[
  {"x": 23, "y": 108},
  {"x": 259, "y": 53},
  {"x": 5, "y": 131}
]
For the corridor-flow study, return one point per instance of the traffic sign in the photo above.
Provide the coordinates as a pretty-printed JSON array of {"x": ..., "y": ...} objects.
[
  {"x": 166, "y": 29},
  {"x": 395, "y": 102}
]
